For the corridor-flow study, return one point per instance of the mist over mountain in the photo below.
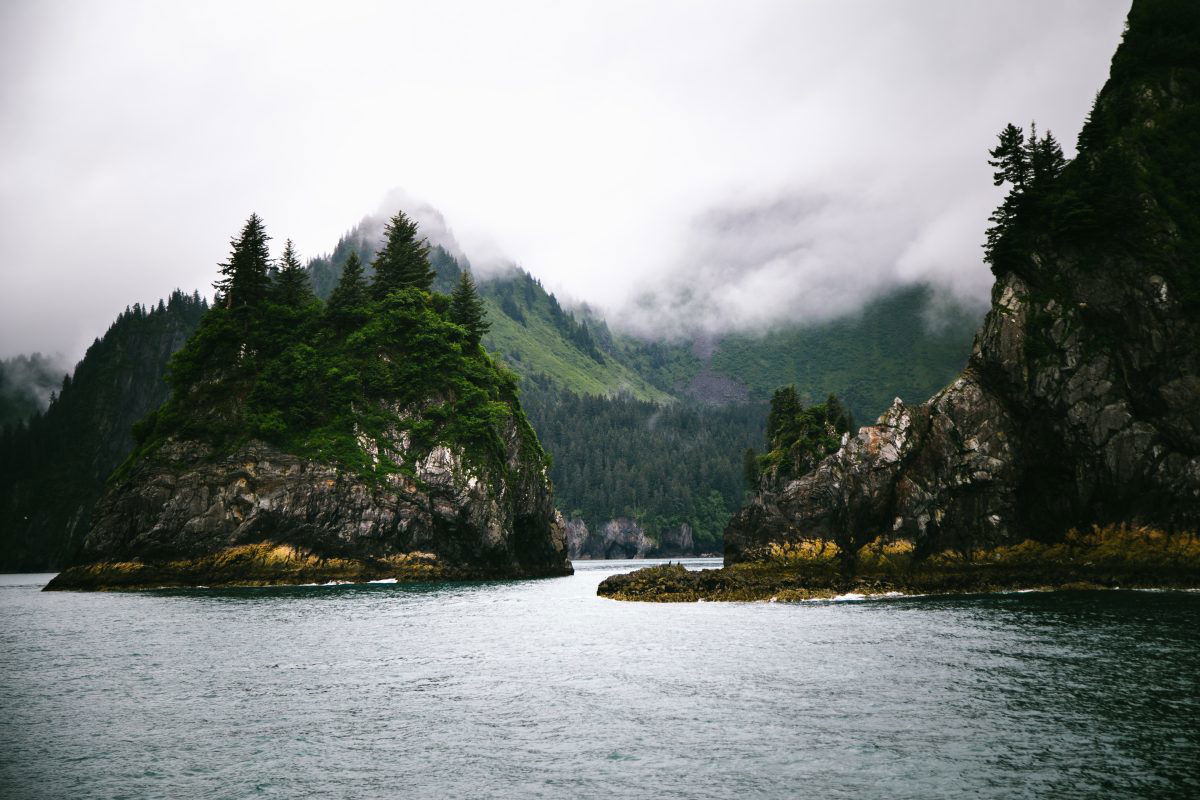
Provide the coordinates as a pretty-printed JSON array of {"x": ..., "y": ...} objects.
[
  {"x": 816, "y": 155},
  {"x": 27, "y": 383}
]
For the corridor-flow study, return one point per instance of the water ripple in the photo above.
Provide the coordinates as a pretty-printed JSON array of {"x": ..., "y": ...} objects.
[{"x": 541, "y": 689}]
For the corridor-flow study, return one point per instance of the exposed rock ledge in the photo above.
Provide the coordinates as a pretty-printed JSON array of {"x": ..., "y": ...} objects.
[{"x": 260, "y": 516}]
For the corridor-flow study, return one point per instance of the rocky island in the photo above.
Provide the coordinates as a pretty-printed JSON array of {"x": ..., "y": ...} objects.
[
  {"x": 1068, "y": 450},
  {"x": 370, "y": 437}
]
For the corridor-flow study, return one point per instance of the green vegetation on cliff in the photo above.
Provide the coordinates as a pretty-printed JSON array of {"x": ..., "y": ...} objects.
[
  {"x": 337, "y": 381},
  {"x": 798, "y": 437}
]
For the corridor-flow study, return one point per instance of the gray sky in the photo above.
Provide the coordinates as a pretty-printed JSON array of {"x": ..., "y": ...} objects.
[{"x": 780, "y": 160}]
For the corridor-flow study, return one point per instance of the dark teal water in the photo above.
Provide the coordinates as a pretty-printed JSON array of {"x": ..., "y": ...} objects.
[{"x": 541, "y": 689}]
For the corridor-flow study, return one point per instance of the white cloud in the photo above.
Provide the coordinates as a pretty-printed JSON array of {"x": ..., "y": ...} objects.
[{"x": 594, "y": 143}]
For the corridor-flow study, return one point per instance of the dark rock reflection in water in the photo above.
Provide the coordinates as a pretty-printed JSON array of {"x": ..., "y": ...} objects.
[{"x": 542, "y": 689}]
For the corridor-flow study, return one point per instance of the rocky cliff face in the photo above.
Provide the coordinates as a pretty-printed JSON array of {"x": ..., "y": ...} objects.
[
  {"x": 185, "y": 505},
  {"x": 625, "y": 538},
  {"x": 1080, "y": 403}
]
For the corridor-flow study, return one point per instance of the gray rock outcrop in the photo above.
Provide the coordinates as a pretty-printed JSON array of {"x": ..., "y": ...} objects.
[{"x": 186, "y": 503}]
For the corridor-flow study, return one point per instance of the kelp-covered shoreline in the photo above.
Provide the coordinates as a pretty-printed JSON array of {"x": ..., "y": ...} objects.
[
  {"x": 1111, "y": 557},
  {"x": 270, "y": 564}
]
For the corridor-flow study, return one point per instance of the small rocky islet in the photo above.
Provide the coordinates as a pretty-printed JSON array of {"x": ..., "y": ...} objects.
[
  {"x": 1067, "y": 453},
  {"x": 367, "y": 438}
]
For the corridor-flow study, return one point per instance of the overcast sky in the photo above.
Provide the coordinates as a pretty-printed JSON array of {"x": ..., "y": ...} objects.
[{"x": 740, "y": 163}]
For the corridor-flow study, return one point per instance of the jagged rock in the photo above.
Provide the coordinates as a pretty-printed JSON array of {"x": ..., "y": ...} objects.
[{"x": 1080, "y": 403}]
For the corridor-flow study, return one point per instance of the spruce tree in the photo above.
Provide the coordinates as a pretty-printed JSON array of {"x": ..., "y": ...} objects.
[
  {"x": 1046, "y": 159},
  {"x": 750, "y": 468},
  {"x": 781, "y": 419},
  {"x": 348, "y": 302},
  {"x": 467, "y": 309},
  {"x": 291, "y": 287},
  {"x": 243, "y": 281},
  {"x": 1010, "y": 158},
  {"x": 403, "y": 263}
]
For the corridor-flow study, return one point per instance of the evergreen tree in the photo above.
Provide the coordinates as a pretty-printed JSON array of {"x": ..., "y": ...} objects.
[
  {"x": 244, "y": 278},
  {"x": 781, "y": 419},
  {"x": 1010, "y": 158},
  {"x": 403, "y": 262},
  {"x": 349, "y": 299},
  {"x": 838, "y": 415},
  {"x": 1046, "y": 159},
  {"x": 291, "y": 287},
  {"x": 1029, "y": 166},
  {"x": 750, "y": 468},
  {"x": 467, "y": 310}
]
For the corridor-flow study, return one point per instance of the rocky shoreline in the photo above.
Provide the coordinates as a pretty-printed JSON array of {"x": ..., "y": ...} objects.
[
  {"x": 1105, "y": 558},
  {"x": 269, "y": 564}
]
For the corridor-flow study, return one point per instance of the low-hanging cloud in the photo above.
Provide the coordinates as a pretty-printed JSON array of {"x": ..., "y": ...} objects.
[{"x": 668, "y": 162}]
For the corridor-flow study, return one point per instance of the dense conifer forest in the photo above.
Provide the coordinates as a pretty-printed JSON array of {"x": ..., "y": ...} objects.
[
  {"x": 53, "y": 466},
  {"x": 662, "y": 465},
  {"x": 271, "y": 361}
]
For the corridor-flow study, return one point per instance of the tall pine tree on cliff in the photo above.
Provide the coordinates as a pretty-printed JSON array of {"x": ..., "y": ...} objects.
[
  {"x": 403, "y": 263},
  {"x": 348, "y": 303},
  {"x": 1030, "y": 166},
  {"x": 244, "y": 277},
  {"x": 291, "y": 287},
  {"x": 467, "y": 310},
  {"x": 1046, "y": 159}
]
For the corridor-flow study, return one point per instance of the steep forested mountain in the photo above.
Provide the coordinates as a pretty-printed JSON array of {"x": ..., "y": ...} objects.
[
  {"x": 54, "y": 467},
  {"x": 662, "y": 466},
  {"x": 905, "y": 344}
]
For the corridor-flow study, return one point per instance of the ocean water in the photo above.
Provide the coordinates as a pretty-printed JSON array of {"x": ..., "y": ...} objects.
[{"x": 542, "y": 689}]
